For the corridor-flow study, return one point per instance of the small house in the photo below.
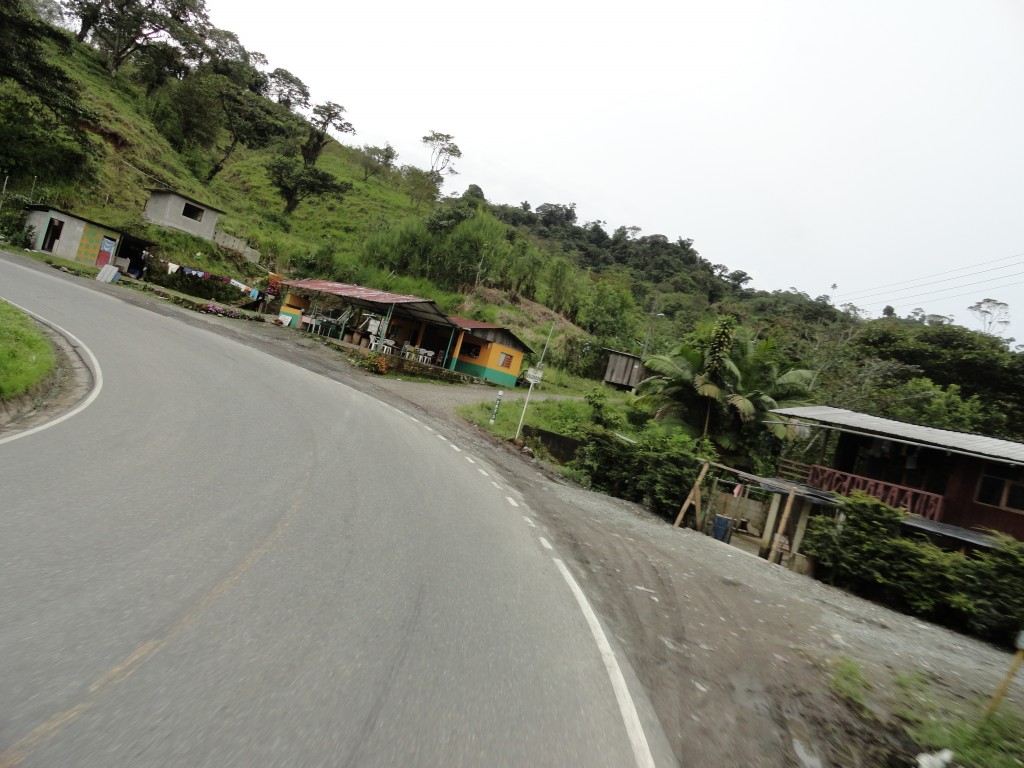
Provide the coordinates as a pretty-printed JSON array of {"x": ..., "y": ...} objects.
[
  {"x": 82, "y": 240},
  {"x": 948, "y": 481},
  {"x": 488, "y": 351},
  {"x": 167, "y": 208},
  {"x": 624, "y": 371}
]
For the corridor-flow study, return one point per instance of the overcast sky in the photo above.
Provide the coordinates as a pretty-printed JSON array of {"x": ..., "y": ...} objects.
[{"x": 864, "y": 143}]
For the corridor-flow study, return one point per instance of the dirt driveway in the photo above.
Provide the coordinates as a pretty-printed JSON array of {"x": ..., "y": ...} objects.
[{"x": 734, "y": 654}]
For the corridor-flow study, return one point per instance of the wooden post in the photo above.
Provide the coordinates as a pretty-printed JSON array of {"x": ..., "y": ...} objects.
[
  {"x": 801, "y": 526},
  {"x": 692, "y": 495},
  {"x": 782, "y": 527},
  {"x": 1005, "y": 685},
  {"x": 769, "y": 523}
]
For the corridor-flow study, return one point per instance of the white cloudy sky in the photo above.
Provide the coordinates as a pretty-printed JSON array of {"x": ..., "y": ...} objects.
[{"x": 867, "y": 143}]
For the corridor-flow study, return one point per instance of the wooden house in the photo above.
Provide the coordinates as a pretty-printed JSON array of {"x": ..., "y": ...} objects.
[{"x": 957, "y": 480}]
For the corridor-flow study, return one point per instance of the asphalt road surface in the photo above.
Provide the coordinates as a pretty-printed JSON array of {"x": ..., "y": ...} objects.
[{"x": 227, "y": 560}]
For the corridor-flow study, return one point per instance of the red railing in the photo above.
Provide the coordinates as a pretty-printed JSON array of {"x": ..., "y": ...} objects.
[{"x": 913, "y": 500}]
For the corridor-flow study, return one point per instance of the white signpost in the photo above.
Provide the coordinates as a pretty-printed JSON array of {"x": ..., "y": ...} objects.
[{"x": 534, "y": 375}]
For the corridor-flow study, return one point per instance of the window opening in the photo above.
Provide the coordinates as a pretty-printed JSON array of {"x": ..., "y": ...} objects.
[{"x": 192, "y": 212}]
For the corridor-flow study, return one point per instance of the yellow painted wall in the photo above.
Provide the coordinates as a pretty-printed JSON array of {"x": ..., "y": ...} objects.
[
  {"x": 292, "y": 300},
  {"x": 490, "y": 351}
]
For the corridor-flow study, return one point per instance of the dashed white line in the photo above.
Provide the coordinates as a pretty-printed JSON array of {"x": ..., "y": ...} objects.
[
  {"x": 545, "y": 542},
  {"x": 641, "y": 750},
  {"x": 529, "y": 522},
  {"x": 455, "y": 447},
  {"x": 482, "y": 472},
  {"x": 511, "y": 501},
  {"x": 470, "y": 460},
  {"x": 443, "y": 438},
  {"x": 414, "y": 419},
  {"x": 495, "y": 485},
  {"x": 429, "y": 429}
]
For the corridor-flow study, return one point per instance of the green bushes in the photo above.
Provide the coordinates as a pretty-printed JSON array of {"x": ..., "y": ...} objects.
[
  {"x": 658, "y": 468},
  {"x": 982, "y": 593}
]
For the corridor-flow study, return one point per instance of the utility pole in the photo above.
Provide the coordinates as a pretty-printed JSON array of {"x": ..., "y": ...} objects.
[{"x": 534, "y": 376}]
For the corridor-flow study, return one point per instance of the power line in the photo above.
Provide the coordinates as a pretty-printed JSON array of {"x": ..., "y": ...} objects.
[
  {"x": 951, "y": 288},
  {"x": 853, "y": 296},
  {"x": 941, "y": 298},
  {"x": 928, "y": 277}
]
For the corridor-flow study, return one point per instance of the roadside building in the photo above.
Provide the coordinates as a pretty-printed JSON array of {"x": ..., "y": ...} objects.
[
  {"x": 84, "y": 241},
  {"x": 167, "y": 208},
  {"x": 954, "y": 484},
  {"x": 624, "y": 371},
  {"x": 488, "y": 351}
]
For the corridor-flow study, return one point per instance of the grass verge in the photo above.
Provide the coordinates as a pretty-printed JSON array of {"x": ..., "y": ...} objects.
[
  {"x": 934, "y": 720},
  {"x": 26, "y": 356}
]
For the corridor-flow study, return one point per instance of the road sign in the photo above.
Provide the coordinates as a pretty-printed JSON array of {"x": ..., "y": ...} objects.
[{"x": 533, "y": 375}]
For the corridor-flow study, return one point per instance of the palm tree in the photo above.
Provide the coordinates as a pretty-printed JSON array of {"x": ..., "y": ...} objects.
[{"x": 734, "y": 378}]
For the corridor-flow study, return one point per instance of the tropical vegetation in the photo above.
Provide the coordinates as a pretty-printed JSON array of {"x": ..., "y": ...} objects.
[{"x": 100, "y": 101}]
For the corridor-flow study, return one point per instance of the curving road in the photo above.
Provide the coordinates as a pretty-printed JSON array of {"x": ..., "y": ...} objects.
[{"x": 227, "y": 560}]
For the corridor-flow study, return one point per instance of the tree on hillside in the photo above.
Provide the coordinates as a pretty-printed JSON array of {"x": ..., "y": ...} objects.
[
  {"x": 326, "y": 116},
  {"x": 419, "y": 184},
  {"x": 41, "y": 114},
  {"x": 724, "y": 385},
  {"x": 555, "y": 215},
  {"x": 122, "y": 27},
  {"x": 288, "y": 89},
  {"x": 22, "y": 61},
  {"x": 250, "y": 120},
  {"x": 220, "y": 52},
  {"x": 443, "y": 150},
  {"x": 993, "y": 315},
  {"x": 375, "y": 160},
  {"x": 295, "y": 181},
  {"x": 158, "y": 64}
]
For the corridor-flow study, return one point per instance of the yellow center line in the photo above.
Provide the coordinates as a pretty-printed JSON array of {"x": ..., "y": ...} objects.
[{"x": 117, "y": 674}]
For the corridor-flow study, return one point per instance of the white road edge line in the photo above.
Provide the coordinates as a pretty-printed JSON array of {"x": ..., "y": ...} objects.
[
  {"x": 641, "y": 750},
  {"x": 97, "y": 373},
  {"x": 511, "y": 501},
  {"x": 545, "y": 542}
]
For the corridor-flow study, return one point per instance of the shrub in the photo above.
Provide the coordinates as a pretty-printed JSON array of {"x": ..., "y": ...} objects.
[
  {"x": 659, "y": 469},
  {"x": 981, "y": 593}
]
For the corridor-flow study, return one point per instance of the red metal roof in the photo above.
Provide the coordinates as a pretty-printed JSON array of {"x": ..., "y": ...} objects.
[
  {"x": 412, "y": 307},
  {"x": 468, "y": 325},
  {"x": 348, "y": 291}
]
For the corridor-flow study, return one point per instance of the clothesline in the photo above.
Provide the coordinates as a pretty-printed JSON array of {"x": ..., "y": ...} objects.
[{"x": 254, "y": 293}]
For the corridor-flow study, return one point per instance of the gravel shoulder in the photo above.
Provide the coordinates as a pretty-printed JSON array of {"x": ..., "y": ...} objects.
[{"x": 733, "y": 653}]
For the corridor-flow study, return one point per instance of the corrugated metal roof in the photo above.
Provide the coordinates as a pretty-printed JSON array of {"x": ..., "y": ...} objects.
[
  {"x": 414, "y": 307},
  {"x": 479, "y": 325},
  {"x": 958, "y": 442}
]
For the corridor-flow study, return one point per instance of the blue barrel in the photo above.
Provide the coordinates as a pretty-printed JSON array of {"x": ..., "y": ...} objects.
[{"x": 722, "y": 528}]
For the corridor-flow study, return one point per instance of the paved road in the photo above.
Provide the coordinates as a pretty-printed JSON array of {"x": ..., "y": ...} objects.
[{"x": 227, "y": 560}]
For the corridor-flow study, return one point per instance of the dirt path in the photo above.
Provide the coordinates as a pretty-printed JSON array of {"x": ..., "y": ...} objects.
[{"x": 734, "y": 653}]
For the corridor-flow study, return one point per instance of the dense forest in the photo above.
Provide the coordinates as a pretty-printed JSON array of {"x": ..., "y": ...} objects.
[{"x": 102, "y": 99}]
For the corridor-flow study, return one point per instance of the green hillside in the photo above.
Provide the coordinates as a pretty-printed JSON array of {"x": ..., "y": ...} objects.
[{"x": 88, "y": 126}]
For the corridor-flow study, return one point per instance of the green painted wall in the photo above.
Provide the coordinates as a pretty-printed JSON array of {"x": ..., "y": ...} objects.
[{"x": 489, "y": 374}]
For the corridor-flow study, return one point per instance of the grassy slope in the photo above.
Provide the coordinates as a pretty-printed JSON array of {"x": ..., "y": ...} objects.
[
  {"x": 26, "y": 357},
  {"x": 134, "y": 156}
]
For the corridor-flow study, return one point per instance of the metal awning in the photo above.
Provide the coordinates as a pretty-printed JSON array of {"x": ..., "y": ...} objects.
[
  {"x": 400, "y": 305},
  {"x": 841, "y": 420},
  {"x": 966, "y": 535}
]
